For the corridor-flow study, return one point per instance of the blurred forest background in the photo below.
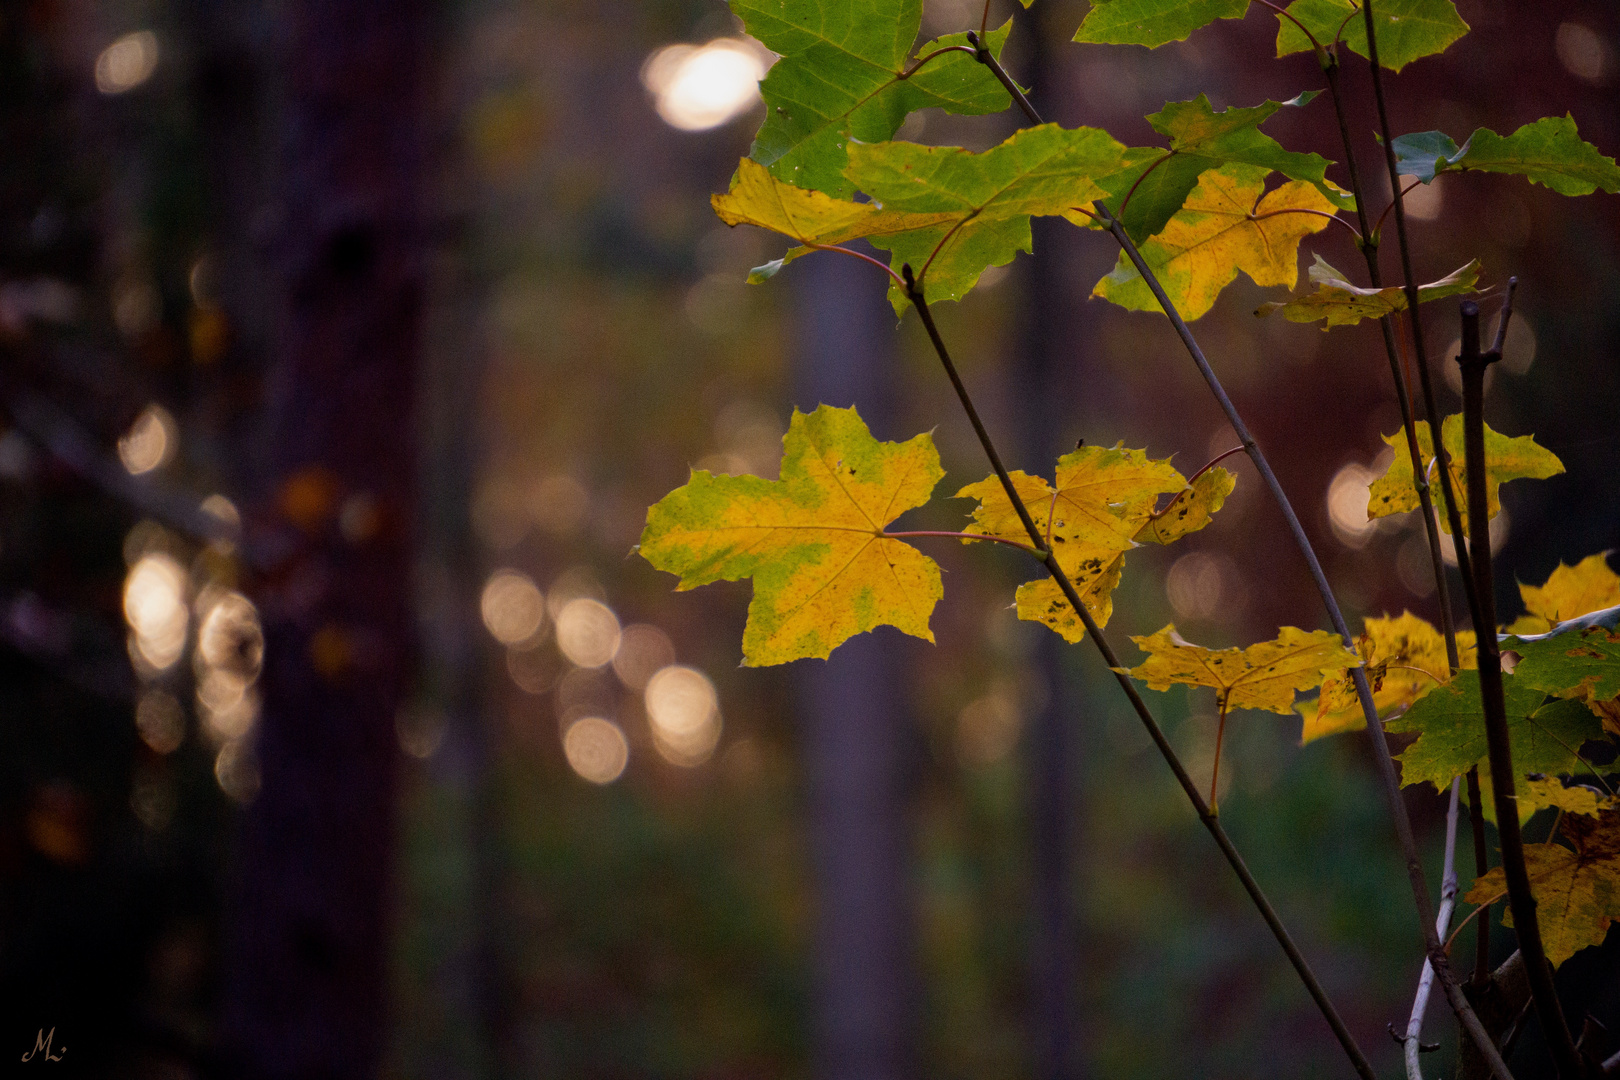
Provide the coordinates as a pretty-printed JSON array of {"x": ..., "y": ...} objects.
[{"x": 343, "y": 346}]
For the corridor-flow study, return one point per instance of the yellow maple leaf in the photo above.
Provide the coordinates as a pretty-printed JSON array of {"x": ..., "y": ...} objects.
[
  {"x": 1505, "y": 459},
  {"x": 1568, "y": 593},
  {"x": 1405, "y": 657},
  {"x": 1263, "y": 676},
  {"x": 1190, "y": 509},
  {"x": 1229, "y": 223},
  {"x": 811, "y": 217},
  {"x": 813, "y": 541},
  {"x": 1101, "y": 499},
  {"x": 1577, "y": 891},
  {"x": 1539, "y": 792}
]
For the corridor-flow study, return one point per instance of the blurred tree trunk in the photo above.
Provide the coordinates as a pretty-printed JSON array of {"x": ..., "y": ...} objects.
[
  {"x": 1050, "y": 744},
  {"x": 306, "y": 970},
  {"x": 856, "y": 734}
]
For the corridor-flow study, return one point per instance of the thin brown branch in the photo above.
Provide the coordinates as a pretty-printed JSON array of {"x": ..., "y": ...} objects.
[
  {"x": 1502, "y": 319},
  {"x": 1386, "y": 766},
  {"x": 1403, "y": 396},
  {"x": 1521, "y": 900},
  {"x": 1430, "y": 408},
  {"x": 1482, "y": 866},
  {"x": 1205, "y": 814}
]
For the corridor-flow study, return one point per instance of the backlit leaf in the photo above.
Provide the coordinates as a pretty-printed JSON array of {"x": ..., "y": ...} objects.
[
  {"x": 989, "y": 198},
  {"x": 812, "y": 541},
  {"x": 1549, "y": 791},
  {"x": 1544, "y": 736},
  {"x": 1189, "y": 510},
  {"x": 839, "y": 78},
  {"x": 1549, "y": 151},
  {"x": 1569, "y": 592},
  {"x": 1407, "y": 29},
  {"x": 1505, "y": 459},
  {"x": 1227, "y": 225},
  {"x": 1405, "y": 657},
  {"x": 810, "y": 217},
  {"x": 1152, "y": 22},
  {"x": 1262, "y": 676},
  {"x": 1336, "y": 302},
  {"x": 1101, "y": 499},
  {"x": 1577, "y": 891},
  {"x": 1157, "y": 183}
]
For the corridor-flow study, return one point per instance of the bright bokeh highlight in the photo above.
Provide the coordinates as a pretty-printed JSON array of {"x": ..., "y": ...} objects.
[
  {"x": 588, "y": 632},
  {"x": 155, "y": 608},
  {"x": 684, "y": 712},
  {"x": 512, "y": 606},
  {"x": 596, "y": 749},
  {"x": 696, "y": 88},
  {"x": 150, "y": 441},
  {"x": 127, "y": 62}
]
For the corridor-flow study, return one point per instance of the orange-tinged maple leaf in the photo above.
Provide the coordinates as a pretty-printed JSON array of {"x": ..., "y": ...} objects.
[{"x": 1577, "y": 888}]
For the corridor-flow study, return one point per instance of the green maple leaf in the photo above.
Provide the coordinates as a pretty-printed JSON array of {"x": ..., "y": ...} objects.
[
  {"x": 813, "y": 541},
  {"x": 1544, "y": 736},
  {"x": 1152, "y": 22},
  {"x": 1577, "y": 888},
  {"x": 1151, "y": 185},
  {"x": 1229, "y": 223},
  {"x": 1505, "y": 459},
  {"x": 1582, "y": 664},
  {"x": 1549, "y": 152},
  {"x": 988, "y": 196},
  {"x": 1407, "y": 29},
  {"x": 1336, "y": 302},
  {"x": 839, "y": 77}
]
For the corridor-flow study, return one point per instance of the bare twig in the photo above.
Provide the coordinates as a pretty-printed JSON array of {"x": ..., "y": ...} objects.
[
  {"x": 1430, "y": 408},
  {"x": 1507, "y": 314},
  {"x": 1391, "y": 783},
  {"x": 1412, "y": 1043},
  {"x": 1521, "y": 901},
  {"x": 1369, "y": 251},
  {"x": 1386, "y": 766},
  {"x": 1482, "y": 866},
  {"x": 1205, "y": 814}
]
